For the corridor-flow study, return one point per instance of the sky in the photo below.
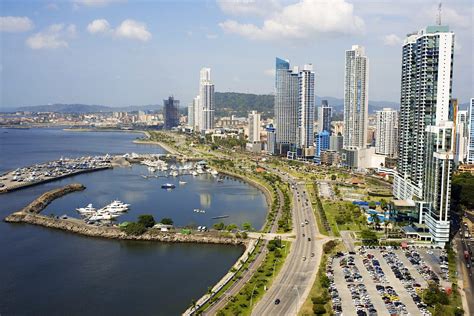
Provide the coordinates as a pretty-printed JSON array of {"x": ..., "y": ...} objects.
[{"x": 126, "y": 52}]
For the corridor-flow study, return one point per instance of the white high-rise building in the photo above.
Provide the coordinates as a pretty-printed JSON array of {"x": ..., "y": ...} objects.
[
  {"x": 197, "y": 113},
  {"x": 206, "y": 100},
  {"x": 386, "y": 132},
  {"x": 470, "y": 143},
  {"x": 426, "y": 128},
  {"x": 462, "y": 133},
  {"x": 356, "y": 101},
  {"x": 305, "y": 136},
  {"x": 254, "y": 127},
  {"x": 191, "y": 114}
]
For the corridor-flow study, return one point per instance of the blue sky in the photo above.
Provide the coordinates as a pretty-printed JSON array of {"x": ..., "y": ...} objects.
[{"x": 118, "y": 52}]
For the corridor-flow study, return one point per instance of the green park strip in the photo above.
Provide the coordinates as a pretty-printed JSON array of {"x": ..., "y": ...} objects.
[
  {"x": 318, "y": 301},
  {"x": 238, "y": 275},
  {"x": 255, "y": 288},
  {"x": 318, "y": 211}
]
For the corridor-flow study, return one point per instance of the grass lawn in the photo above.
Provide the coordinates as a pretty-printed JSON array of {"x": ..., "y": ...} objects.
[{"x": 336, "y": 208}]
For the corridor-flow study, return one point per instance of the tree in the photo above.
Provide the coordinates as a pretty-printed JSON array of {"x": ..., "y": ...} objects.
[
  {"x": 231, "y": 227},
  {"x": 146, "y": 220},
  {"x": 247, "y": 226},
  {"x": 333, "y": 177},
  {"x": 134, "y": 229},
  {"x": 368, "y": 237},
  {"x": 383, "y": 204},
  {"x": 219, "y": 226},
  {"x": 319, "y": 309},
  {"x": 372, "y": 205},
  {"x": 166, "y": 221}
]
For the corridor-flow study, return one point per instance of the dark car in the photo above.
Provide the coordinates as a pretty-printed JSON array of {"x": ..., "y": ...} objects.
[{"x": 277, "y": 301}]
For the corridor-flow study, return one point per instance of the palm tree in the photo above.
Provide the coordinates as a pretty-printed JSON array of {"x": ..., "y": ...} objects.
[{"x": 373, "y": 218}]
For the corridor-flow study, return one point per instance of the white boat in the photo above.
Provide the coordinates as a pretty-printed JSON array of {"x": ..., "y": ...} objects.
[
  {"x": 88, "y": 210},
  {"x": 103, "y": 216},
  {"x": 214, "y": 172},
  {"x": 168, "y": 186},
  {"x": 182, "y": 182},
  {"x": 197, "y": 210},
  {"x": 194, "y": 173}
]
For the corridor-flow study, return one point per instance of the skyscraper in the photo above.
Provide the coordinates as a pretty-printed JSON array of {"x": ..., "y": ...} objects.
[
  {"x": 426, "y": 127},
  {"x": 191, "y": 114},
  {"x": 386, "y": 132},
  {"x": 356, "y": 102},
  {"x": 324, "y": 117},
  {"x": 197, "y": 113},
  {"x": 294, "y": 107},
  {"x": 470, "y": 149},
  {"x": 305, "y": 134},
  {"x": 254, "y": 127},
  {"x": 322, "y": 143},
  {"x": 286, "y": 105},
  {"x": 206, "y": 100},
  {"x": 461, "y": 136},
  {"x": 170, "y": 113}
]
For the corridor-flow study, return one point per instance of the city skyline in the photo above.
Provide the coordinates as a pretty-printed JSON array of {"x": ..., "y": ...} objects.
[{"x": 113, "y": 54}]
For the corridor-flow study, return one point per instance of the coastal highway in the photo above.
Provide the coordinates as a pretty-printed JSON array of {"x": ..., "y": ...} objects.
[
  {"x": 246, "y": 275},
  {"x": 295, "y": 279}
]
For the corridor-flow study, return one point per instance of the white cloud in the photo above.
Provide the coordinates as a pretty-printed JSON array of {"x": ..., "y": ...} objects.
[
  {"x": 99, "y": 26},
  {"x": 302, "y": 20},
  {"x": 392, "y": 40},
  {"x": 129, "y": 29},
  {"x": 15, "y": 24},
  {"x": 211, "y": 36},
  {"x": 249, "y": 7},
  {"x": 55, "y": 36},
  {"x": 94, "y": 3},
  {"x": 133, "y": 30}
]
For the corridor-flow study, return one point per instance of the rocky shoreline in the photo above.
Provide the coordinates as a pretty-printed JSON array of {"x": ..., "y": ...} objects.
[{"x": 31, "y": 215}]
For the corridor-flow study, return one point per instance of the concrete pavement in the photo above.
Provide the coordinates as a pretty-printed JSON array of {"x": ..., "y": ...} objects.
[{"x": 297, "y": 275}]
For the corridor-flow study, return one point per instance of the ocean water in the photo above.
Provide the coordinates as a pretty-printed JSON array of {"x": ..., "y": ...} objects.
[{"x": 50, "y": 272}]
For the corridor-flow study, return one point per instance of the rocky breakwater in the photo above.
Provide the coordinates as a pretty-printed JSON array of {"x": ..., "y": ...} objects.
[
  {"x": 40, "y": 203},
  {"x": 31, "y": 215}
]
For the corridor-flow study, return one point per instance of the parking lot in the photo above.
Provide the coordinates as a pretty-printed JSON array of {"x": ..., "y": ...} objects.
[{"x": 383, "y": 281}]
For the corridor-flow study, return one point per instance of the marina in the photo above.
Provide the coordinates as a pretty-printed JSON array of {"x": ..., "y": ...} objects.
[{"x": 52, "y": 257}]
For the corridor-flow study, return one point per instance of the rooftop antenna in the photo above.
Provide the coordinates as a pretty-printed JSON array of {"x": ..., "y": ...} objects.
[{"x": 438, "y": 18}]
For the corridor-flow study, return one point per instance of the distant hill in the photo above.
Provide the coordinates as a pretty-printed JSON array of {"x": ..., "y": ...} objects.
[
  {"x": 227, "y": 103},
  {"x": 84, "y": 108},
  {"x": 240, "y": 104}
]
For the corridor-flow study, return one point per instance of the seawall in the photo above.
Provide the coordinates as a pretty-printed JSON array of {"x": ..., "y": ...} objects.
[{"x": 31, "y": 215}]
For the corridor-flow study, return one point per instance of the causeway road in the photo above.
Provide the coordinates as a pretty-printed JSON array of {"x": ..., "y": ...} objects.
[{"x": 294, "y": 281}]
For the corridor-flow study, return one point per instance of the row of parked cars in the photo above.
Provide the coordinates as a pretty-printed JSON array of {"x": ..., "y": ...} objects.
[
  {"x": 425, "y": 270},
  {"x": 387, "y": 293},
  {"x": 409, "y": 283},
  {"x": 360, "y": 297},
  {"x": 333, "y": 292}
]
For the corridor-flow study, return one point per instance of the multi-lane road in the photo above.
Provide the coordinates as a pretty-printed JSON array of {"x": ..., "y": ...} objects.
[{"x": 292, "y": 285}]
